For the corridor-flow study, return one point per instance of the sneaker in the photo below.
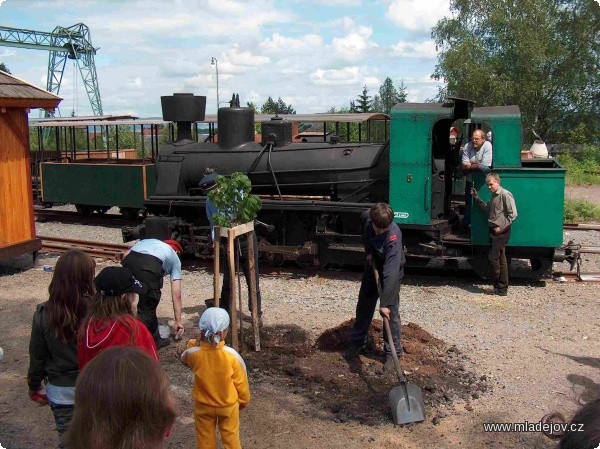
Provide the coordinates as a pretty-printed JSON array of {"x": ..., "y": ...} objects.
[
  {"x": 353, "y": 350},
  {"x": 162, "y": 342}
]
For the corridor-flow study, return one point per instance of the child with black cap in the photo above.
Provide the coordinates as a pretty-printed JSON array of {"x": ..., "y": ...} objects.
[{"x": 110, "y": 320}]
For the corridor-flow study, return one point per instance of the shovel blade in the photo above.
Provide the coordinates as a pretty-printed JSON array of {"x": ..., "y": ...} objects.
[{"x": 406, "y": 401}]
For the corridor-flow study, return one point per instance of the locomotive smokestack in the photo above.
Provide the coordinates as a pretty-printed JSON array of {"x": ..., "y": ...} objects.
[
  {"x": 183, "y": 108},
  {"x": 236, "y": 127}
]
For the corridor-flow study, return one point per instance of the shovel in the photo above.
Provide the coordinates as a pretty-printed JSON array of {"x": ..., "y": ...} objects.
[{"x": 406, "y": 400}]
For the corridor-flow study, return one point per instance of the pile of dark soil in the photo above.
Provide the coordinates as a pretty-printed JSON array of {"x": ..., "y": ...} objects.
[{"x": 357, "y": 389}]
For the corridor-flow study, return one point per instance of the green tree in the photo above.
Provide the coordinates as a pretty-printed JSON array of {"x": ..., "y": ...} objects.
[
  {"x": 276, "y": 107},
  {"x": 543, "y": 55},
  {"x": 402, "y": 92},
  {"x": 389, "y": 95},
  {"x": 253, "y": 106},
  {"x": 4, "y": 68},
  {"x": 377, "y": 105},
  {"x": 364, "y": 102}
]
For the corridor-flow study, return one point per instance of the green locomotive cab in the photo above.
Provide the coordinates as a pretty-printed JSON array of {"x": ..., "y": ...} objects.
[{"x": 426, "y": 185}]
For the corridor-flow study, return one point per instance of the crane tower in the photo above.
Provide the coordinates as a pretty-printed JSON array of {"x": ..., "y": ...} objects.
[{"x": 72, "y": 42}]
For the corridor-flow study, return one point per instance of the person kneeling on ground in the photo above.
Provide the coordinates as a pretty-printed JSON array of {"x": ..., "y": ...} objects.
[{"x": 221, "y": 386}]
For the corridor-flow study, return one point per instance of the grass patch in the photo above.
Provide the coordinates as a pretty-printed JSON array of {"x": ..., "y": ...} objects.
[
  {"x": 583, "y": 169},
  {"x": 579, "y": 211}
]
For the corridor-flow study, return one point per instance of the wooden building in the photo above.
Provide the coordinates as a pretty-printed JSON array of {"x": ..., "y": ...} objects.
[{"x": 17, "y": 221}]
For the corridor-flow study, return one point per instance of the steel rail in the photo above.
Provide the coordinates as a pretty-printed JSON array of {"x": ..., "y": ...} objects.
[
  {"x": 65, "y": 216},
  {"x": 111, "y": 251},
  {"x": 582, "y": 226}
]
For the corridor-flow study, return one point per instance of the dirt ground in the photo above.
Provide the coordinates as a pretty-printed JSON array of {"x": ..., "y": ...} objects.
[{"x": 476, "y": 357}]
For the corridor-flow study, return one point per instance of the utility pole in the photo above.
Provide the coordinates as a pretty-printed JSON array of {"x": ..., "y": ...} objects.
[{"x": 214, "y": 62}]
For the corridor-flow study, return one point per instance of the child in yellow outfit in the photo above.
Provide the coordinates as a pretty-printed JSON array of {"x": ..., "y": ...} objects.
[{"x": 221, "y": 387}]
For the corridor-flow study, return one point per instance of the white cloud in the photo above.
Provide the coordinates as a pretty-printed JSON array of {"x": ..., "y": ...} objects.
[
  {"x": 229, "y": 6},
  {"x": 338, "y": 2},
  {"x": 253, "y": 97},
  {"x": 6, "y": 53},
  {"x": 236, "y": 60},
  {"x": 333, "y": 77},
  {"x": 372, "y": 82},
  {"x": 423, "y": 49},
  {"x": 278, "y": 43},
  {"x": 354, "y": 46},
  {"x": 345, "y": 23},
  {"x": 417, "y": 15},
  {"x": 137, "y": 82}
]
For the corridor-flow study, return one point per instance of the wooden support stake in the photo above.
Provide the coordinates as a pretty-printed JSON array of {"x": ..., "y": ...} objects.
[
  {"x": 232, "y": 291},
  {"x": 217, "y": 275},
  {"x": 231, "y": 234},
  {"x": 252, "y": 290}
]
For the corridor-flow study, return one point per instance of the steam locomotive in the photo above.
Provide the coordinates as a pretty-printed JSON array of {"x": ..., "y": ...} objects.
[{"x": 313, "y": 193}]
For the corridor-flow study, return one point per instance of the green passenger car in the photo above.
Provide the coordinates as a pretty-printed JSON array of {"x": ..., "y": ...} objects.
[{"x": 98, "y": 186}]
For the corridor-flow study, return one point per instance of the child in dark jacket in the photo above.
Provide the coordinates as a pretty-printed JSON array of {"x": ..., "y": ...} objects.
[{"x": 53, "y": 343}]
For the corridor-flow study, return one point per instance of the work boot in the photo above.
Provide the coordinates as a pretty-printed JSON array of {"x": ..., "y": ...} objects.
[
  {"x": 388, "y": 366},
  {"x": 353, "y": 350},
  {"x": 162, "y": 343},
  {"x": 499, "y": 291}
]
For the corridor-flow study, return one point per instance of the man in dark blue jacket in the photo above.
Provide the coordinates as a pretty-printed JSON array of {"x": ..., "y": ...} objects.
[{"x": 383, "y": 248}]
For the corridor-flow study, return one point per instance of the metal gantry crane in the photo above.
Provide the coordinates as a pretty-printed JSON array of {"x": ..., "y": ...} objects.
[{"x": 72, "y": 42}]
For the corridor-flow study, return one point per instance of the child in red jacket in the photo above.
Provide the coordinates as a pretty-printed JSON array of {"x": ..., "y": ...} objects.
[{"x": 110, "y": 320}]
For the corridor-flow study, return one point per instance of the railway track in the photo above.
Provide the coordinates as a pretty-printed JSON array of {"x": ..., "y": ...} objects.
[
  {"x": 113, "y": 251},
  {"x": 65, "y": 216},
  {"x": 109, "y": 251}
]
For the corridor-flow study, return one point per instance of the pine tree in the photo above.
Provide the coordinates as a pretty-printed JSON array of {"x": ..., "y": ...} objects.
[
  {"x": 389, "y": 95},
  {"x": 402, "y": 92},
  {"x": 363, "y": 101},
  {"x": 377, "y": 105}
]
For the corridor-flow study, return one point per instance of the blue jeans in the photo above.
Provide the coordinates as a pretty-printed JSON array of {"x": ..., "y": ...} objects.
[
  {"x": 365, "y": 308},
  {"x": 62, "y": 417}
]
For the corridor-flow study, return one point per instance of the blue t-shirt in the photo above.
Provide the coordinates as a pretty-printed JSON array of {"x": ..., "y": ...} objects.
[{"x": 169, "y": 258}]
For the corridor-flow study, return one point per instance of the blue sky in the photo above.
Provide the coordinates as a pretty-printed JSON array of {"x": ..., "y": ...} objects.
[{"x": 313, "y": 54}]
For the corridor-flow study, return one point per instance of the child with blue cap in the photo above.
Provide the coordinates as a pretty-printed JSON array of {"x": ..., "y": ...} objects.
[{"x": 221, "y": 386}]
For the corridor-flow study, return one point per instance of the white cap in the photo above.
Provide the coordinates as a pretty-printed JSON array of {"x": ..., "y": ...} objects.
[{"x": 212, "y": 321}]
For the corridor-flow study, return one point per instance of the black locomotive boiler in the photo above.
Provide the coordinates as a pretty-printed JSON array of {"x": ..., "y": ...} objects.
[{"x": 313, "y": 193}]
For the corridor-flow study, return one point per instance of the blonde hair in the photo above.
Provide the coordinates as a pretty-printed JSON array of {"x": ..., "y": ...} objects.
[{"x": 494, "y": 176}]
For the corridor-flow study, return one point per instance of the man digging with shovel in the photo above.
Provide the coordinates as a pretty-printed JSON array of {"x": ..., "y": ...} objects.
[{"x": 383, "y": 248}]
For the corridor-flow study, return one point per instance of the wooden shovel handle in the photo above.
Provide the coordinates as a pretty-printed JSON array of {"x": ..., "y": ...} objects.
[{"x": 388, "y": 332}]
